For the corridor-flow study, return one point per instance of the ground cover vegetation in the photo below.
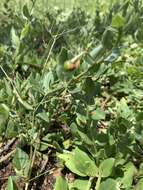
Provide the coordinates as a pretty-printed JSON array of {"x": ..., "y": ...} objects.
[{"x": 71, "y": 97}]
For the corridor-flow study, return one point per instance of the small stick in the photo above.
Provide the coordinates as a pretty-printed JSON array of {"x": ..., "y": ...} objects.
[
  {"x": 7, "y": 146},
  {"x": 6, "y": 157}
]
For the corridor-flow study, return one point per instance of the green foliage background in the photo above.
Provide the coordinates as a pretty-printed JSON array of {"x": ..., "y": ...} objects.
[{"x": 71, "y": 83}]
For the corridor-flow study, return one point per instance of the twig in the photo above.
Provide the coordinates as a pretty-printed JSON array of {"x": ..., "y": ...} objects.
[
  {"x": 47, "y": 59},
  {"x": 7, "y": 146},
  {"x": 4, "y": 158},
  {"x": 46, "y": 172},
  {"x": 105, "y": 102},
  {"x": 44, "y": 165}
]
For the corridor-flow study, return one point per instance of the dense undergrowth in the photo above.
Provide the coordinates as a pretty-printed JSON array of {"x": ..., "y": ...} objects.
[{"x": 71, "y": 86}]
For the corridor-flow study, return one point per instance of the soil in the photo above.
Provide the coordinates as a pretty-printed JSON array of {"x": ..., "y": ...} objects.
[{"x": 46, "y": 167}]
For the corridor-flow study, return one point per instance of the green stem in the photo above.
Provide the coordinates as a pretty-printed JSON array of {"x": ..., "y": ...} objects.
[
  {"x": 98, "y": 182},
  {"x": 89, "y": 183}
]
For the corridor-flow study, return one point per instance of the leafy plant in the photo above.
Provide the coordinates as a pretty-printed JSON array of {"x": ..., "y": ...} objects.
[{"x": 71, "y": 88}]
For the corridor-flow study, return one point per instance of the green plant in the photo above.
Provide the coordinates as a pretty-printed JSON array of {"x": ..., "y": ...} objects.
[{"x": 80, "y": 98}]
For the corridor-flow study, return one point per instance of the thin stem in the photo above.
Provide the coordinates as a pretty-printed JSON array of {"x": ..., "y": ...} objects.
[
  {"x": 98, "y": 182},
  {"x": 89, "y": 183},
  {"x": 47, "y": 59}
]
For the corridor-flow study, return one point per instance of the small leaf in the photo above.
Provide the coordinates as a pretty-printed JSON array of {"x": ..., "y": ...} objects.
[
  {"x": 25, "y": 31},
  {"x": 106, "y": 167},
  {"x": 139, "y": 116},
  {"x": 48, "y": 80},
  {"x": 11, "y": 185},
  {"x": 98, "y": 114},
  {"x": 14, "y": 38},
  {"x": 4, "y": 114},
  {"x": 118, "y": 21},
  {"x": 26, "y": 12},
  {"x": 44, "y": 116},
  {"x": 4, "y": 111},
  {"x": 12, "y": 129},
  {"x": 63, "y": 56},
  {"x": 21, "y": 162},
  {"x": 109, "y": 184},
  {"x": 129, "y": 171},
  {"x": 109, "y": 37},
  {"x": 123, "y": 109},
  {"x": 61, "y": 184},
  {"x": 79, "y": 184},
  {"x": 139, "y": 34},
  {"x": 81, "y": 119},
  {"x": 97, "y": 51},
  {"x": 112, "y": 57},
  {"x": 139, "y": 185},
  {"x": 26, "y": 105}
]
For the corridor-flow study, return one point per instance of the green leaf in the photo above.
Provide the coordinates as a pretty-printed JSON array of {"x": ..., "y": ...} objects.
[
  {"x": 26, "y": 12},
  {"x": 48, "y": 80},
  {"x": 21, "y": 162},
  {"x": 97, "y": 51},
  {"x": 79, "y": 184},
  {"x": 80, "y": 163},
  {"x": 77, "y": 132},
  {"x": 61, "y": 184},
  {"x": 139, "y": 34},
  {"x": 4, "y": 114},
  {"x": 109, "y": 37},
  {"x": 25, "y": 30},
  {"x": 129, "y": 171},
  {"x": 112, "y": 57},
  {"x": 118, "y": 21},
  {"x": 106, "y": 167},
  {"x": 44, "y": 116},
  {"x": 91, "y": 90},
  {"x": 11, "y": 185},
  {"x": 109, "y": 184},
  {"x": 84, "y": 164},
  {"x": 98, "y": 114},
  {"x": 14, "y": 38},
  {"x": 12, "y": 129},
  {"x": 26, "y": 105},
  {"x": 81, "y": 119},
  {"x": 139, "y": 116},
  {"x": 63, "y": 56},
  {"x": 70, "y": 164},
  {"x": 123, "y": 110},
  {"x": 139, "y": 185}
]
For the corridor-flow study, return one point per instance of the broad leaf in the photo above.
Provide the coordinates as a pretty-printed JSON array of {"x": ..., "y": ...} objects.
[
  {"x": 61, "y": 184},
  {"x": 109, "y": 184},
  {"x": 80, "y": 163},
  {"x": 129, "y": 172},
  {"x": 106, "y": 167},
  {"x": 21, "y": 162},
  {"x": 11, "y": 185},
  {"x": 79, "y": 184}
]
